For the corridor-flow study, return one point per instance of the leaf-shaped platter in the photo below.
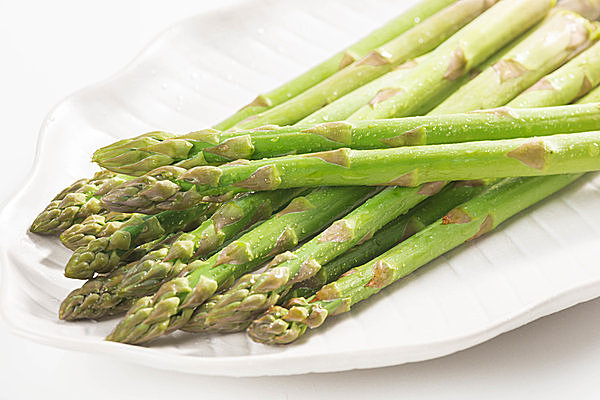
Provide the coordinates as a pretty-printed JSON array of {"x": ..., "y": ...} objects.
[{"x": 198, "y": 72}]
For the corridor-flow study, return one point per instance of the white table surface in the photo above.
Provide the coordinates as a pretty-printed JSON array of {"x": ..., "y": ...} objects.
[{"x": 50, "y": 49}]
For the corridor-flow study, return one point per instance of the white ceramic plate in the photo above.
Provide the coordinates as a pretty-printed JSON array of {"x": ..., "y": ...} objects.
[{"x": 195, "y": 74}]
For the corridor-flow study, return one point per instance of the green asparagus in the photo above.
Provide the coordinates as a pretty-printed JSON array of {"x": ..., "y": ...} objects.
[
  {"x": 402, "y": 93},
  {"x": 454, "y": 128},
  {"x": 563, "y": 35},
  {"x": 254, "y": 293},
  {"x": 281, "y": 325},
  {"x": 103, "y": 254},
  {"x": 419, "y": 13},
  {"x": 145, "y": 277},
  {"x": 173, "y": 304},
  {"x": 405, "y": 166},
  {"x": 412, "y": 43},
  {"x": 466, "y": 222},
  {"x": 96, "y": 299}
]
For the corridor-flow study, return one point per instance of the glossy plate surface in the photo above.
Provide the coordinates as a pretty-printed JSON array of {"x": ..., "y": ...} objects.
[{"x": 196, "y": 73}]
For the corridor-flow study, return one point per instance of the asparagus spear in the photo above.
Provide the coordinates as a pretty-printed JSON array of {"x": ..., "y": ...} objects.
[
  {"x": 258, "y": 144},
  {"x": 144, "y": 278},
  {"x": 570, "y": 82},
  {"x": 104, "y": 254},
  {"x": 96, "y": 299},
  {"x": 76, "y": 202},
  {"x": 416, "y": 41},
  {"x": 254, "y": 293},
  {"x": 563, "y": 35},
  {"x": 405, "y": 166},
  {"x": 466, "y": 222},
  {"x": 402, "y": 93},
  {"x": 173, "y": 304},
  {"x": 93, "y": 227},
  {"x": 410, "y": 18}
]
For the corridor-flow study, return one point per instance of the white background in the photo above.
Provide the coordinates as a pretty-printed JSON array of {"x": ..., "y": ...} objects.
[{"x": 50, "y": 49}]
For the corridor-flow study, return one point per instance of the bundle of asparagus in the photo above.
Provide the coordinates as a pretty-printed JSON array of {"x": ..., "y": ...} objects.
[{"x": 318, "y": 185}]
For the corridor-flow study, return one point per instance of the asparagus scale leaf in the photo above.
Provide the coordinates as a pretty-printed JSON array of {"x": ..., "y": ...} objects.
[
  {"x": 592, "y": 97},
  {"x": 589, "y": 9}
]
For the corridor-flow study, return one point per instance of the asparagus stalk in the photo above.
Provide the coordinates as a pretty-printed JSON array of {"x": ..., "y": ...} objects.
[
  {"x": 96, "y": 299},
  {"x": 410, "y": 18},
  {"x": 402, "y": 93},
  {"x": 93, "y": 227},
  {"x": 570, "y": 82},
  {"x": 563, "y": 35},
  {"x": 405, "y": 166},
  {"x": 415, "y": 42},
  {"x": 173, "y": 304},
  {"x": 254, "y": 293},
  {"x": 103, "y": 254},
  {"x": 454, "y": 128},
  {"x": 76, "y": 202},
  {"x": 466, "y": 222}
]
